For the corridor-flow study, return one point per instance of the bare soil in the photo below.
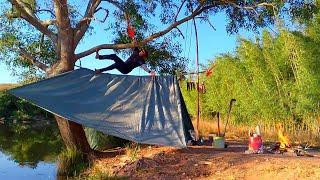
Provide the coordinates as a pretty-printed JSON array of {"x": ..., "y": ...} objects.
[{"x": 205, "y": 162}]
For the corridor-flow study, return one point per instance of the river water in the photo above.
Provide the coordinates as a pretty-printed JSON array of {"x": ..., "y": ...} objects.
[
  {"x": 29, "y": 150},
  {"x": 12, "y": 170}
]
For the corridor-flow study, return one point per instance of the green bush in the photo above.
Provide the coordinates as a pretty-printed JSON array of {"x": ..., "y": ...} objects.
[
  {"x": 7, "y": 104},
  {"x": 15, "y": 108}
]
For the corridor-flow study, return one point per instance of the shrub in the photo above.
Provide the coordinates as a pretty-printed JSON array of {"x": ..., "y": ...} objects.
[{"x": 14, "y": 108}]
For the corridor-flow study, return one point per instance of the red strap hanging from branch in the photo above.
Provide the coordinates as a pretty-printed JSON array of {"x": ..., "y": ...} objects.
[{"x": 130, "y": 29}]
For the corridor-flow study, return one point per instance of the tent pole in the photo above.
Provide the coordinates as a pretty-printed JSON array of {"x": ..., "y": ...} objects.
[{"x": 198, "y": 79}]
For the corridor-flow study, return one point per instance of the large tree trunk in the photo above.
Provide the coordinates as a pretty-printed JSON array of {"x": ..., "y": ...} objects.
[{"x": 73, "y": 135}]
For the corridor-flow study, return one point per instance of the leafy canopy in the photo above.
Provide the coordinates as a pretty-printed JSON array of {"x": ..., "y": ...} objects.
[{"x": 24, "y": 22}]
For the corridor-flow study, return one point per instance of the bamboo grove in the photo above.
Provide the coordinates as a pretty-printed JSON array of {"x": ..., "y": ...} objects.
[{"x": 274, "y": 78}]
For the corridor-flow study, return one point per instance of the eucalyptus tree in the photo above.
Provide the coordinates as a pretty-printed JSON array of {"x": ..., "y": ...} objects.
[{"x": 45, "y": 34}]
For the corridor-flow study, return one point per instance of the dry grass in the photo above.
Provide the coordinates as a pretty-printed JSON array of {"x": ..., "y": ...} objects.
[
  {"x": 7, "y": 86},
  {"x": 269, "y": 134},
  {"x": 134, "y": 152}
]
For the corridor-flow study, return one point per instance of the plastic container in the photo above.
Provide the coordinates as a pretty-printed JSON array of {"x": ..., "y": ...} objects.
[
  {"x": 218, "y": 142},
  {"x": 255, "y": 143}
]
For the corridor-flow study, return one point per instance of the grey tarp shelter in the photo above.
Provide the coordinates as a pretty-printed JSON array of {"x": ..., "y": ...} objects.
[{"x": 137, "y": 108}]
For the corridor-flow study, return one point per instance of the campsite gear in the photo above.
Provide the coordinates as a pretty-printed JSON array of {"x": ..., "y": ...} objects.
[
  {"x": 201, "y": 88},
  {"x": 144, "y": 109},
  {"x": 258, "y": 130},
  {"x": 250, "y": 133},
  {"x": 255, "y": 142},
  {"x": 218, "y": 142},
  {"x": 193, "y": 141},
  {"x": 255, "y": 145},
  {"x": 192, "y": 134},
  {"x": 99, "y": 141},
  {"x": 210, "y": 137},
  {"x": 190, "y": 85}
]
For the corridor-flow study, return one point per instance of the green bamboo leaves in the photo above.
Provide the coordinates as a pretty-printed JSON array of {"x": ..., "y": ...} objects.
[{"x": 275, "y": 79}]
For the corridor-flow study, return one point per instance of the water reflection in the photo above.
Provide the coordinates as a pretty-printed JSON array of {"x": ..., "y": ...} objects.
[{"x": 28, "y": 150}]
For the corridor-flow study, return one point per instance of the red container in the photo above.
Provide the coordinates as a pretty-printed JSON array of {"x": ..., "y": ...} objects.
[{"x": 255, "y": 143}]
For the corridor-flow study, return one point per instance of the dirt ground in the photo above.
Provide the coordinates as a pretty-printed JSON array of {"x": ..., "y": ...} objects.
[{"x": 205, "y": 162}]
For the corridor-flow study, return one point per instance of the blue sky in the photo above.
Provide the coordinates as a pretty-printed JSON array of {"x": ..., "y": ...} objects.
[{"x": 211, "y": 44}]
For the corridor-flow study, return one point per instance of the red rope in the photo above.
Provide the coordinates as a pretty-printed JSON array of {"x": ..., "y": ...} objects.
[{"x": 130, "y": 29}]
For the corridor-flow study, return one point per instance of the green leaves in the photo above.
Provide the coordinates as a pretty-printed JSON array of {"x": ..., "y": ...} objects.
[{"x": 303, "y": 11}]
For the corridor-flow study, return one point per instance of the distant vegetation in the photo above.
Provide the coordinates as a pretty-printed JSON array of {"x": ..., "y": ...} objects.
[
  {"x": 13, "y": 108},
  {"x": 7, "y": 86}
]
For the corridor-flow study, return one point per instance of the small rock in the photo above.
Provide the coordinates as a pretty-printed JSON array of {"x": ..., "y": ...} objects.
[{"x": 196, "y": 165}]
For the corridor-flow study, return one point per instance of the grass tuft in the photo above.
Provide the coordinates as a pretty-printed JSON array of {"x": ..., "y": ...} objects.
[
  {"x": 72, "y": 162},
  {"x": 105, "y": 176},
  {"x": 132, "y": 151}
]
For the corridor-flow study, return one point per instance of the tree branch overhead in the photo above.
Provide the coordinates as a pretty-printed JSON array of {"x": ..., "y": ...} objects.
[
  {"x": 83, "y": 25},
  {"x": 26, "y": 15},
  {"x": 150, "y": 38}
]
